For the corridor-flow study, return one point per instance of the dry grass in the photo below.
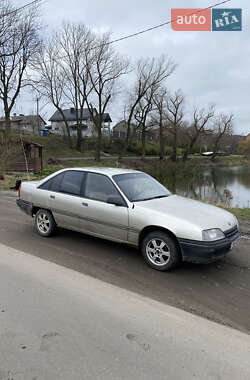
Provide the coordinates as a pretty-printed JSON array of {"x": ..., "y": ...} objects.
[{"x": 10, "y": 180}]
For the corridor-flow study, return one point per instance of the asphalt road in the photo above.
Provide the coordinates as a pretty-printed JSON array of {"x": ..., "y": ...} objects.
[
  {"x": 219, "y": 291},
  {"x": 56, "y": 323}
]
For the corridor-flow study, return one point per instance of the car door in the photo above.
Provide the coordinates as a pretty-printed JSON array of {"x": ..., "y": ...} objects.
[
  {"x": 100, "y": 217},
  {"x": 65, "y": 199}
]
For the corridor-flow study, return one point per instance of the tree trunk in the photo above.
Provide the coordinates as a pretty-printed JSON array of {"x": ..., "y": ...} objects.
[
  {"x": 69, "y": 137},
  {"x": 185, "y": 155},
  {"x": 79, "y": 138},
  {"x": 174, "y": 153},
  {"x": 99, "y": 144},
  {"x": 143, "y": 142},
  {"x": 162, "y": 143},
  {"x": 7, "y": 119}
]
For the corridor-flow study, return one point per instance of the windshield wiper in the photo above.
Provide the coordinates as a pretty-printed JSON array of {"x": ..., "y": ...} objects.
[
  {"x": 148, "y": 199},
  {"x": 160, "y": 196}
]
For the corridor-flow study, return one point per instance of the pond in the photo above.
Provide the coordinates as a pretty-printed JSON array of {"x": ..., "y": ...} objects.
[{"x": 227, "y": 185}]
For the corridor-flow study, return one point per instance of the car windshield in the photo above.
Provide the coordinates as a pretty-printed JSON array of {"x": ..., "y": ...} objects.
[{"x": 140, "y": 187}]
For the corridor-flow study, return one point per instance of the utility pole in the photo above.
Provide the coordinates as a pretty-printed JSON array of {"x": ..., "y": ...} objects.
[{"x": 37, "y": 116}]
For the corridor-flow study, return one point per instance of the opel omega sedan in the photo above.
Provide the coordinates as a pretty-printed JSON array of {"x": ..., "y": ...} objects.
[{"x": 130, "y": 207}]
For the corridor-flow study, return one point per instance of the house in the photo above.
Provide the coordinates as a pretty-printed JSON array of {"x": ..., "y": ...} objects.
[
  {"x": 87, "y": 126},
  {"x": 119, "y": 131},
  {"x": 25, "y": 124},
  {"x": 153, "y": 132}
]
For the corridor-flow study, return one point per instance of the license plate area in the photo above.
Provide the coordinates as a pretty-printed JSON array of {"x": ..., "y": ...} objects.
[{"x": 235, "y": 243}]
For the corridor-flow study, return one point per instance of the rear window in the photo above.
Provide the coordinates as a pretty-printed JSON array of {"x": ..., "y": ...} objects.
[{"x": 53, "y": 184}]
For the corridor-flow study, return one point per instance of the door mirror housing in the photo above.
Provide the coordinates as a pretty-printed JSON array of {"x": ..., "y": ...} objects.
[{"x": 117, "y": 201}]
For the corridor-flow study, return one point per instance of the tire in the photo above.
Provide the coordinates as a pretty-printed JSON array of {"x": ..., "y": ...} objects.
[
  {"x": 160, "y": 251},
  {"x": 44, "y": 223}
]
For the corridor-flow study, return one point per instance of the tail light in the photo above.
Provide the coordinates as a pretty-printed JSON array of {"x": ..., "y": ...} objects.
[{"x": 19, "y": 190}]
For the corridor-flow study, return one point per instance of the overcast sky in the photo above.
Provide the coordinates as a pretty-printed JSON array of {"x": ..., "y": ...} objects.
[{"x": 213, "y": 67}]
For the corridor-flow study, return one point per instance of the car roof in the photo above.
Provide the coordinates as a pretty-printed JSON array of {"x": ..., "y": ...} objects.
[{"x": 106, "y": 171}]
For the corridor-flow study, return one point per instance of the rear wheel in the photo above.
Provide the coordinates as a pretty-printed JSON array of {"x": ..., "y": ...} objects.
[
  {"x": 160, "y": 251},
  {"x": 45, "y": 223}
]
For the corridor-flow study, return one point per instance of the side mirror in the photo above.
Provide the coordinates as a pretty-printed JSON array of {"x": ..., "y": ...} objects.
[{"x": 117, "y": 201}]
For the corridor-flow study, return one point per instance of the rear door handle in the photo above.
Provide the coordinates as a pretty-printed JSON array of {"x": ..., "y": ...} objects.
[
  {"x": 52, "y": 197},
  {"x": 85, "y": 204}
]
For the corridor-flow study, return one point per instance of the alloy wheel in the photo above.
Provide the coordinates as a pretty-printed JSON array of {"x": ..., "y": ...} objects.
[{"x": 158, "y": 252}]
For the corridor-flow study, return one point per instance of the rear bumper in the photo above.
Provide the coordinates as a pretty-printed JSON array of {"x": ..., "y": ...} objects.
[
  {"x": 202, "y": 252},
  {"x": 25, "y": 206}
]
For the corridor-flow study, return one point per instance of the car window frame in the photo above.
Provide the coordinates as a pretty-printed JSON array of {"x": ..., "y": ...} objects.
[
  {"x": 50, "y": 180},
  {"x": 61, "y": 192},
  {"x": 112, "y": 183}
]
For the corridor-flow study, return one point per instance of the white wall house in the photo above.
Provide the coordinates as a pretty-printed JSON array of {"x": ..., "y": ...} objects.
[{"x": 88, "y": 128}]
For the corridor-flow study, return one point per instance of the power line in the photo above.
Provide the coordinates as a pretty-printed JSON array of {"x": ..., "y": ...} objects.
[
  {"x": 151, "y": 28},
  {"x": 145, "y": 30},
  {"x": 20, "y": 8},
  {"x": 163, "y": 24}
]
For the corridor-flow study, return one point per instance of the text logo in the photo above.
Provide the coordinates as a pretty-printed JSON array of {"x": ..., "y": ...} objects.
[
  {"x": 191, "y": 19},
  {"x": 226, "y": 20},
  {"x": 196, "y": 19}
]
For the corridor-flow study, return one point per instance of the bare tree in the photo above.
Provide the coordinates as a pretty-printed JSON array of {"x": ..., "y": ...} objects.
[
  {"x": 223, "y": 126},
  {"x": 149, "y": 73},
  {"x": 142, "y": 113},
  {"x": 104, "y": 67},
  {"x": 201, "y": 118},
  {"x": 76, "y": 42},
  {"x": 49, "y": 79},
  {"x": 159, "y": 117},
  {"x": 17, "y": 48},
  {"x": 174, "y": 116},
  {"x": 6, "y": 21}
]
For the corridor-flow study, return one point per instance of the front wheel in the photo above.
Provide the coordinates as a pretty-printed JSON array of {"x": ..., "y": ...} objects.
[
  {"x": 45, "y": 223},
  {"x": 160, "y": 251}
]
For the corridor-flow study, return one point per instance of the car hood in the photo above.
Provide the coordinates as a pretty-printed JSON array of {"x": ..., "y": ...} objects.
[{"x": 195, "y": 212}]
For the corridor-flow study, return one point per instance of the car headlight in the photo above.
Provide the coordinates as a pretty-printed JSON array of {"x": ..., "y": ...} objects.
[{"x": 212, "y": 234}]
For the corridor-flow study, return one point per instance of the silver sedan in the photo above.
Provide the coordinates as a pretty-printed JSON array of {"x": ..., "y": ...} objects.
[{"x": 131, "y": 207}]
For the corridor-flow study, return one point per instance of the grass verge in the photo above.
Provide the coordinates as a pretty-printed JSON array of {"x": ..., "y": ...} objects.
[{"x": 241, "y": 213}]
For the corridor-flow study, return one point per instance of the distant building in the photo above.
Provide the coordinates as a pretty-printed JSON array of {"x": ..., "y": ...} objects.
[
  {"x": 87, "y": 127},
  {"x": 119, "y": 131},
  {"x": 25, "y": 124}
]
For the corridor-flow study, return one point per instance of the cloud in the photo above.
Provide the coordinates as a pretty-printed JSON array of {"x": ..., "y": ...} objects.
[{"x": 213, "y": 67}]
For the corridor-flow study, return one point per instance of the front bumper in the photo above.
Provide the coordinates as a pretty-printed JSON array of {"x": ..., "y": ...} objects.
[
  {"x": 202, "y": 252},
  {"x": 25, "y": 206}
]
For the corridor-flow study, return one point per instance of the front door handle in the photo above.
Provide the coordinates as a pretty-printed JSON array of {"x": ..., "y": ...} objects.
[
  {"x": 52, "y": 197},
  {"x": 85, "y": 204}
]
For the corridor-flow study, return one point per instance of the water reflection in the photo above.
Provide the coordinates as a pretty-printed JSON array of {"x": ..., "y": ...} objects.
[{"x": 227, "y": 185}]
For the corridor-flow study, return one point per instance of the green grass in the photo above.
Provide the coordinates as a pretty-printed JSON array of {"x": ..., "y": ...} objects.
[
  {"x": 232, "y": 160},
  {"x": 241, "y": 213},
  {"x": 10, "y": 180},
  {"x": 54, "y": 147},
  {"x": 49, "y": 169},
  {"x": 108, "y": 162},
  {"x": 218, "y": 161}
]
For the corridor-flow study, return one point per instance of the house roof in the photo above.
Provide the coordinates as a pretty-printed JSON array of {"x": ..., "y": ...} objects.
[
  {"x": 122, "y": 126},
  {"x": 70, "y": 115},
  {"x": 23, "y": 119}
]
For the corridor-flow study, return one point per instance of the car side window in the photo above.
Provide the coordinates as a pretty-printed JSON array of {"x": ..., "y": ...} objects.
[
  {"x": 72, "y": 182},
  {"x": 53, "y": 184},
  {"x": 100, "y": 188}
]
